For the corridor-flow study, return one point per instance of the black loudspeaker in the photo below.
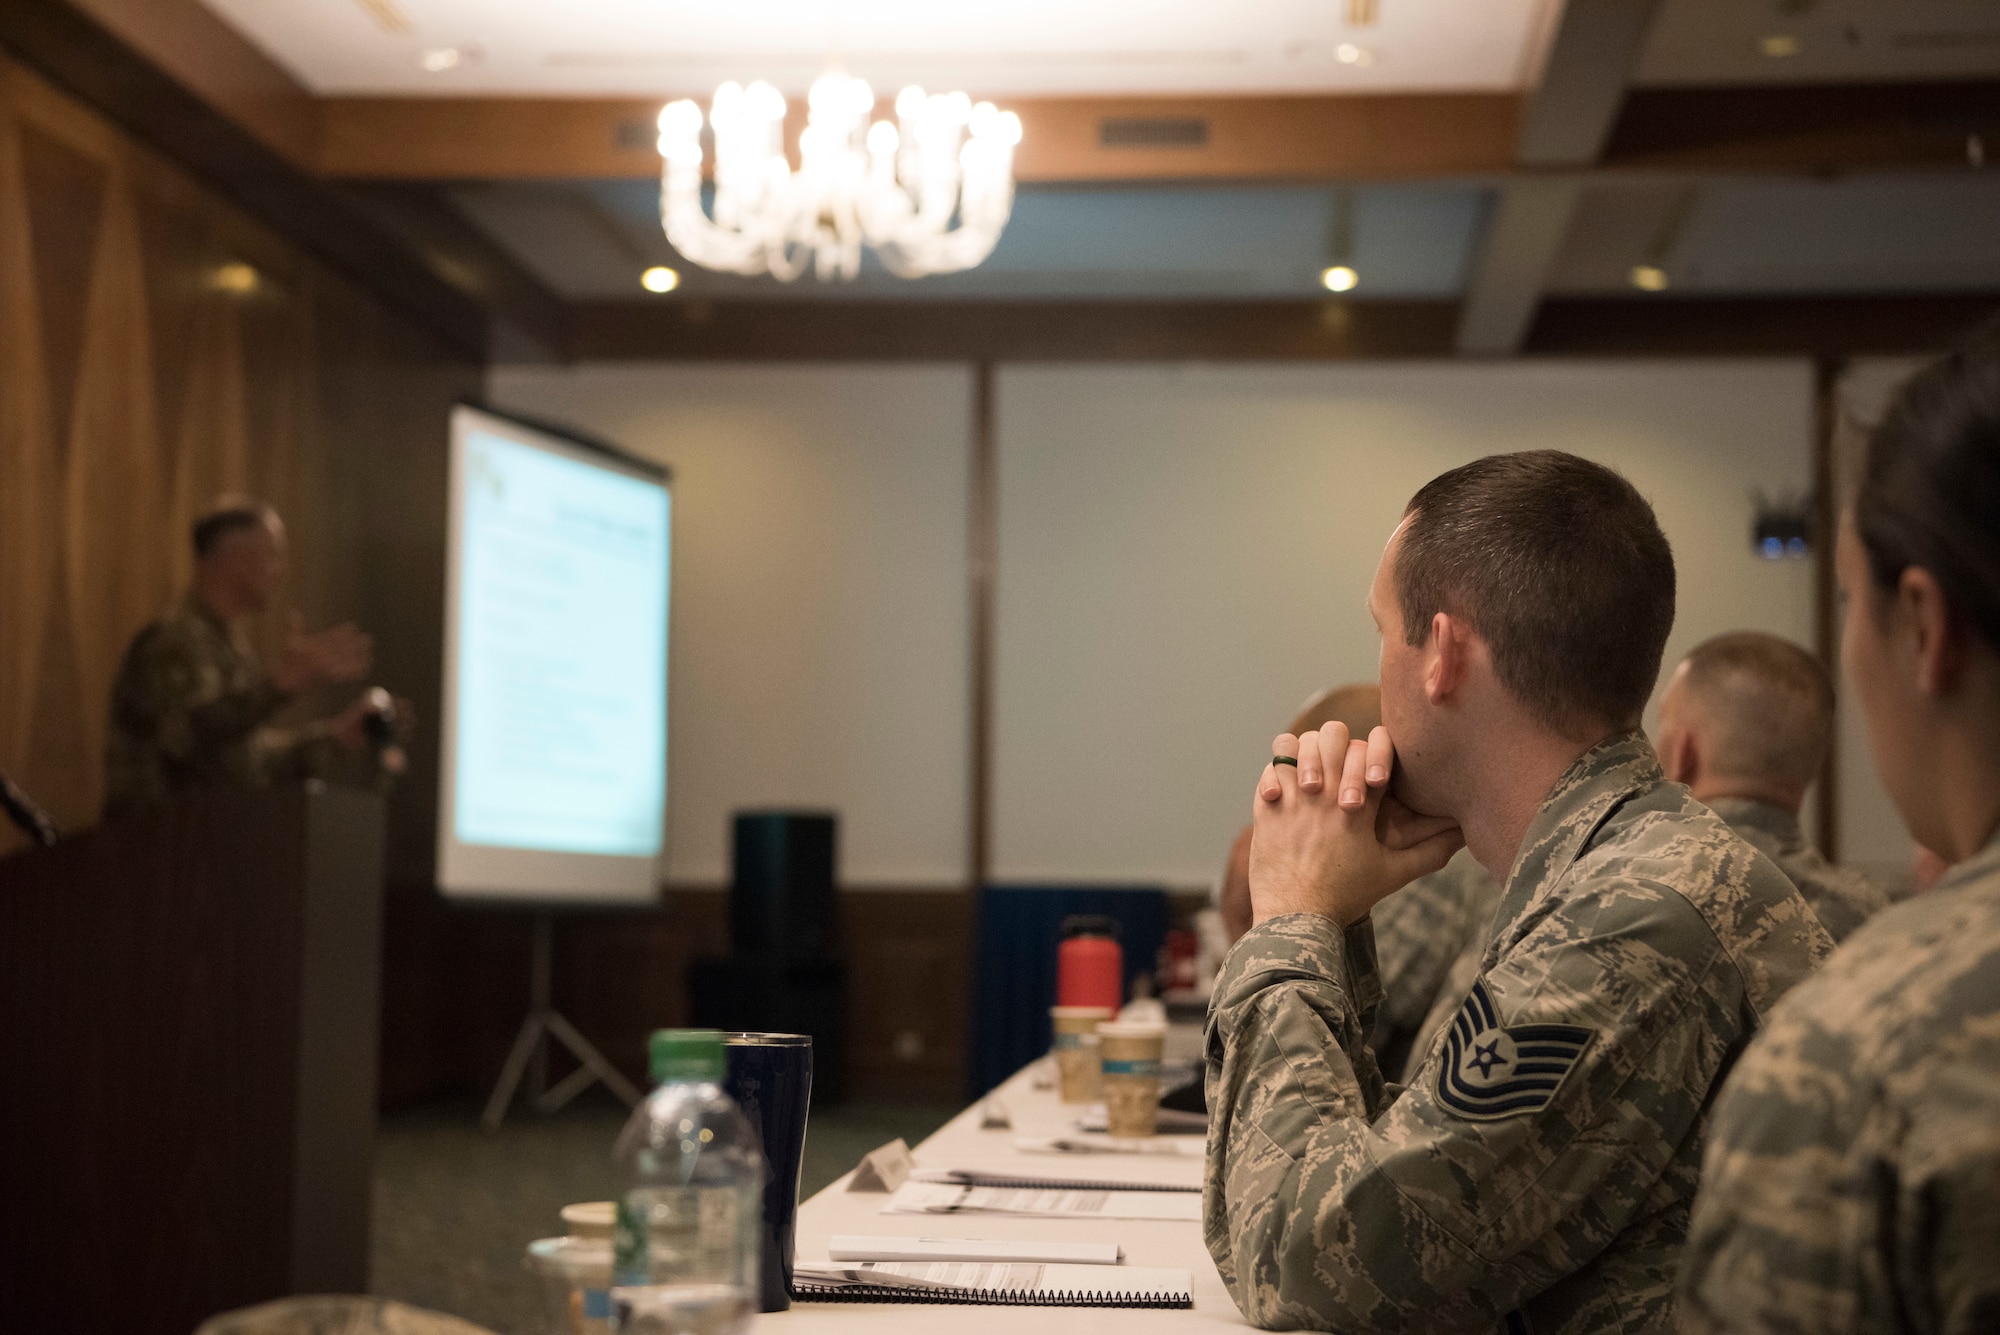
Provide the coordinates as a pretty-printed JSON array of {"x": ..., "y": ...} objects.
[
  {"x": 781, "y": 892},
  {"x": 766, "y": 994},
  {"x": 783, "y": 973}
]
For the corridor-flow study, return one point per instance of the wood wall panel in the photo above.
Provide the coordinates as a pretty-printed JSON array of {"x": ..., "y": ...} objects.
[{"x": 135, "y": 387}]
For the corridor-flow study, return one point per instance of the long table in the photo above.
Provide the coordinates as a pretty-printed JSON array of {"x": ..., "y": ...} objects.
[{"x": 961, "y": 1143}]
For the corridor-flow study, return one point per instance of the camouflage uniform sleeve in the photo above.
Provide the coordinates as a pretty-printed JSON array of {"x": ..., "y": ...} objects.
[
  {"x": 1327, "y": 1209},
  {"x": 1842, "y": 898},
  {"x": 1419, "y": 931},
  {"x": 169, "y": 693},
  {"x": 1845, "y": 1188},
  {"x": 173, "y": 694}
]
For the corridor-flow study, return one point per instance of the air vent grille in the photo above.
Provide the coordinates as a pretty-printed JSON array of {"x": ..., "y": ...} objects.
[{"x": 1152, "y": 132}]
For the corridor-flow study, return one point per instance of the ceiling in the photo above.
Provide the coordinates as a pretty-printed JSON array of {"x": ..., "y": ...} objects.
[
  {"x": 988, "y": 47},
  {"x": 1809, "y": 233},
  {"x": 1735, "y": 236},
  {"x": 1046, "y": 47},
  {"x": 592, "y": 239},
  {"x": 1820, "y": 41},
  {"x": 1740, "y": 237}
]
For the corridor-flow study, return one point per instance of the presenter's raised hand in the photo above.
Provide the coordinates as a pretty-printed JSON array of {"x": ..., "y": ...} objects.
[
  {"x": 1329, "y": 838},
  {"x": 322, "y": 658}
]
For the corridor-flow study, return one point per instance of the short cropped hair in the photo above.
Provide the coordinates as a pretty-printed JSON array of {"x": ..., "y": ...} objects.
[
  {"x": 1770, "y": 703},
  {"x": 1560, "y": 565},
  {"x": 231, "y": 514}
]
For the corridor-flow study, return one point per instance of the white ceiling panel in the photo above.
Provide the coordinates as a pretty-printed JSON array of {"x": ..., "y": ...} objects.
[{"x": 990, "y": 48}]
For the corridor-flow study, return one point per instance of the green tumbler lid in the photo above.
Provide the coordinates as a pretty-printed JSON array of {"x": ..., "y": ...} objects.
[{"x": 686, "y": 1055}]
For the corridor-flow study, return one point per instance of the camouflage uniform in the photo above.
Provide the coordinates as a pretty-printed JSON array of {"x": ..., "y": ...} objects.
[
  {"x": 1853, "y": 1174},
  {"x": 1844, "y": 899},
  {"x": 191, "y": 708},
  {"x": 1544, "y": 1161},
  {"x": 1451, "y": 993},
  {"x": 1420, "y": 932}
]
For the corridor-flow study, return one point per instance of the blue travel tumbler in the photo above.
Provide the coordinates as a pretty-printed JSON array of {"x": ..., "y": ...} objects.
[{"x": 770, "y": 1078}]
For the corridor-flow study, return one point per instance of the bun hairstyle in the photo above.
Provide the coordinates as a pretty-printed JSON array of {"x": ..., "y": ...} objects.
[{"x": 1930, "y": 491}]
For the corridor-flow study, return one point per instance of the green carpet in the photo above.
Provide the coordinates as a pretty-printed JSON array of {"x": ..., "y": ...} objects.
[{"x": 455, "y": 1206}]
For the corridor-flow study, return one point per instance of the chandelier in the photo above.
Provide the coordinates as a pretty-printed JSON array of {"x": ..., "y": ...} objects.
[{"x": 929, "y": 193}]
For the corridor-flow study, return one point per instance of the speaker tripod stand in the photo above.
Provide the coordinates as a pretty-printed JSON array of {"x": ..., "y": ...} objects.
[{"x": 545, "y": 1022}]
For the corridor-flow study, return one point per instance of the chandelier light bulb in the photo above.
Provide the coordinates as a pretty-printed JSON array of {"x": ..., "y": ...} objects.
[
  {"x": 764, "y": 102},
  {"x": 680, "y": 120},
  {"x": 929, "y": 195},
  {"x": 660, "y": 278},
  {"x": 1339, "y": 278}
]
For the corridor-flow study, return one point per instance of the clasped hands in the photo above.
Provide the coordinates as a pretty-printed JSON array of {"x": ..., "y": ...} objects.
[{"x": 1330, "y": 838}]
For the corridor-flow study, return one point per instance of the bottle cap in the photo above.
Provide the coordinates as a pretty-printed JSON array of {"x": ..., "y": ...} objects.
[
  {"x": 1089, "y": 924},
  {"x": 686, "y": 1055}
]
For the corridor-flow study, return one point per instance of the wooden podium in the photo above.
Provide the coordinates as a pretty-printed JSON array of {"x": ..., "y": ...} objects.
[{"x": 188, "y": 1025}]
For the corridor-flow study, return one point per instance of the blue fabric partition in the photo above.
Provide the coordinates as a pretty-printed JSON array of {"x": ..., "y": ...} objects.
[{"x": 1014, "y": 976}]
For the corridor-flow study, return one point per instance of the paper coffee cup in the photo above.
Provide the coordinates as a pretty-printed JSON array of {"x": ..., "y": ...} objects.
[
  {"x": 1076, "y": 1050},
  {"x": 1130, "y": 1056}
]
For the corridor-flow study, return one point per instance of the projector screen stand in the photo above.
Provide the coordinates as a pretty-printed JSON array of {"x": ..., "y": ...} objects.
[{"x": 543, "y": 1023}]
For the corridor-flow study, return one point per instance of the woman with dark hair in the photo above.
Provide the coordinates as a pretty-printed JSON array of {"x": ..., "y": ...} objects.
[{"x": 1852, "y": 1178}]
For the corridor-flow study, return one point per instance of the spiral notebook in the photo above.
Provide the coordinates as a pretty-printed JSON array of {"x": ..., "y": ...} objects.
[{"x": 998, "y": 1284}]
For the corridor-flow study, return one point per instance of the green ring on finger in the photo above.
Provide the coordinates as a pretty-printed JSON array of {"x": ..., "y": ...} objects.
[{"x": 1293, "y": 761}]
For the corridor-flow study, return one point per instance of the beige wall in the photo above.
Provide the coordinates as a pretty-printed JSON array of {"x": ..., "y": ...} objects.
[
  {"x": 819, "y": 641},
  {"x": 1185, "y": 553},
  {"x": 1872, "y": 834}
]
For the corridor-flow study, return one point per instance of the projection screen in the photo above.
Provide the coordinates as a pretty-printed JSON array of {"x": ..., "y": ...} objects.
[{"x": 553, "y": 773}]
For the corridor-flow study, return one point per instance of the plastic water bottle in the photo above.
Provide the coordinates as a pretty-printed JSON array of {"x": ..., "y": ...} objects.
[{"x": 690, "y": 1192}]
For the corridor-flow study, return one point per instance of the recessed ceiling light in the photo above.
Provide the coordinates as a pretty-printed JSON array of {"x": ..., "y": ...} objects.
[
  {"x": 234, "y": 277},
  {"x": 1780, "y": 46},
  {"x": 441, "y": 58},
  {"x": 660, "y": 278},
  {"x": 1649, "y": 278},
  {"x": 1347, "y": 53},
  {"x": 1339, "y": 278}
]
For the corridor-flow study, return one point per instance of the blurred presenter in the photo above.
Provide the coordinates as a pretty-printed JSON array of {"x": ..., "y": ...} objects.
[{"x": 195, "y": 707}]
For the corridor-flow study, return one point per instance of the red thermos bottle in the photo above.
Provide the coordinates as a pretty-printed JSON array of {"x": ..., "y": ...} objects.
[{"x": 1090, "y": 967}]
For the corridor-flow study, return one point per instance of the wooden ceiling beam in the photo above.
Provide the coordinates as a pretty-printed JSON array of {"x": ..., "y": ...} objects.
[
  {"x": 831, "y": 329},
  {"x": 1848, "y": 326},
  {"x": 1812, "y": 128},
  {"x": 218, "y": 113},
  {"x": 822, "y": 329},
  {"x": 1686, "y": 131},
  {"x": 202, "y": 53},
  {"x": 70, "y": 48},
  {"x": 1063, "y": 139},
  {"x": 1564, "y": 127}
]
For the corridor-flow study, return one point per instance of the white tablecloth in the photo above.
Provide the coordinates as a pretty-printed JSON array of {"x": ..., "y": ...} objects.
[{"x": 960, "y": 1143}]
